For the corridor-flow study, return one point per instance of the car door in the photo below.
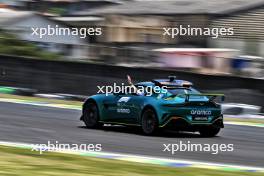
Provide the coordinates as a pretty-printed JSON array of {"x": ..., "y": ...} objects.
[
  {"x": 116, "y": 109},
  {"x": 110, "y": 108},
  {"x": 129, "y": 107},
  {"x": 122, "y": 108}
]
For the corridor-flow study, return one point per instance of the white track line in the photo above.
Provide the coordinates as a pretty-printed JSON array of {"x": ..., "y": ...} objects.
[{"x": 145, "y": 159}]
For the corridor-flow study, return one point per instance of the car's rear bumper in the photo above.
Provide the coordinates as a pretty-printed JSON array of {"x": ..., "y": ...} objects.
[{"x": 179, "y": 123}]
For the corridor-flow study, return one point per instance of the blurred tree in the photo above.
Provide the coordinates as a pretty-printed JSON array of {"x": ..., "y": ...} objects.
[{"x": 10, "y": 45}]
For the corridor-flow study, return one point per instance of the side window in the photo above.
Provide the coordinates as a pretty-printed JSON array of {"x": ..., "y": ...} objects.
[
  {"x": 137, "y": 90},
  {"x": 194, "y": 91},
  {"x": 144, "y": 90},
  {"x": 148, "y": 91},
  {"x": 130, "y": 90}
]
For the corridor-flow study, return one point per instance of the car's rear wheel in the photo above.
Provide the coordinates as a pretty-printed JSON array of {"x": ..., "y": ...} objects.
[
  {"x": 91, "y": 115},
  {"x": 209, "y": 131},
  {"x": 149, "y": 121}
]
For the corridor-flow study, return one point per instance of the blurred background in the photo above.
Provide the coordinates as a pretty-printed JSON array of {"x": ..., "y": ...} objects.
[{"x": 132, "y": 42}]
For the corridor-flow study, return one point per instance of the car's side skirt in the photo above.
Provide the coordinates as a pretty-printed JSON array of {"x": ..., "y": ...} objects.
[{"x": 119, "y": 123}]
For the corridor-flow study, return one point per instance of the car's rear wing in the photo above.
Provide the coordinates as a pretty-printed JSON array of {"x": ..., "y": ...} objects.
[{"x": 211, "y": 96}]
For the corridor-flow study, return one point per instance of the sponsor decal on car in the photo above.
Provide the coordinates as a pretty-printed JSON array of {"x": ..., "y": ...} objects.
[
  {"x": 201, "y": 112},
  {"x": 122, "y": 110},
  {"x": 124, "y": 99}
]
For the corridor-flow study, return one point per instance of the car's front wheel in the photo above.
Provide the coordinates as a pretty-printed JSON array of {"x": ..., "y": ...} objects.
[
  {"x": 149, "y": 121},
  {"x": 91, "y": 115},
  {"x": 209, "y": 131}
]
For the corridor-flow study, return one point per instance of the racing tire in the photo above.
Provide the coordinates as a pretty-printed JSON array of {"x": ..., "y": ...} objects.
[
  {"x": 149, "y": 122},
  {"x": 209, "y": 131},
  {"x": 91, "y": 115}
]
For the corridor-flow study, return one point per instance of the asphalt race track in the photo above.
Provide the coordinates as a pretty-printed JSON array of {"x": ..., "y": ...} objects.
[{"x": 37, "y": 125}]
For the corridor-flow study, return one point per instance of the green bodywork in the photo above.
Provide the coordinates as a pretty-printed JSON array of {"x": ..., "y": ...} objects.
[{"x": 127, "y": 109}]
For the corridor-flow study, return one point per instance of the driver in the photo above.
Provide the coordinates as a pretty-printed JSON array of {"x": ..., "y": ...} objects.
[{"x": 138, "y": 92}]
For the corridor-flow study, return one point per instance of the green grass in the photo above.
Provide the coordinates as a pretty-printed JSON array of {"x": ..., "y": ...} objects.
[
  {"x": 37, "y": 99},
  {"x": 24, "y": 162},
  {"x": 10, "y": 45},
  {"x": 257, "y": 121}
]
